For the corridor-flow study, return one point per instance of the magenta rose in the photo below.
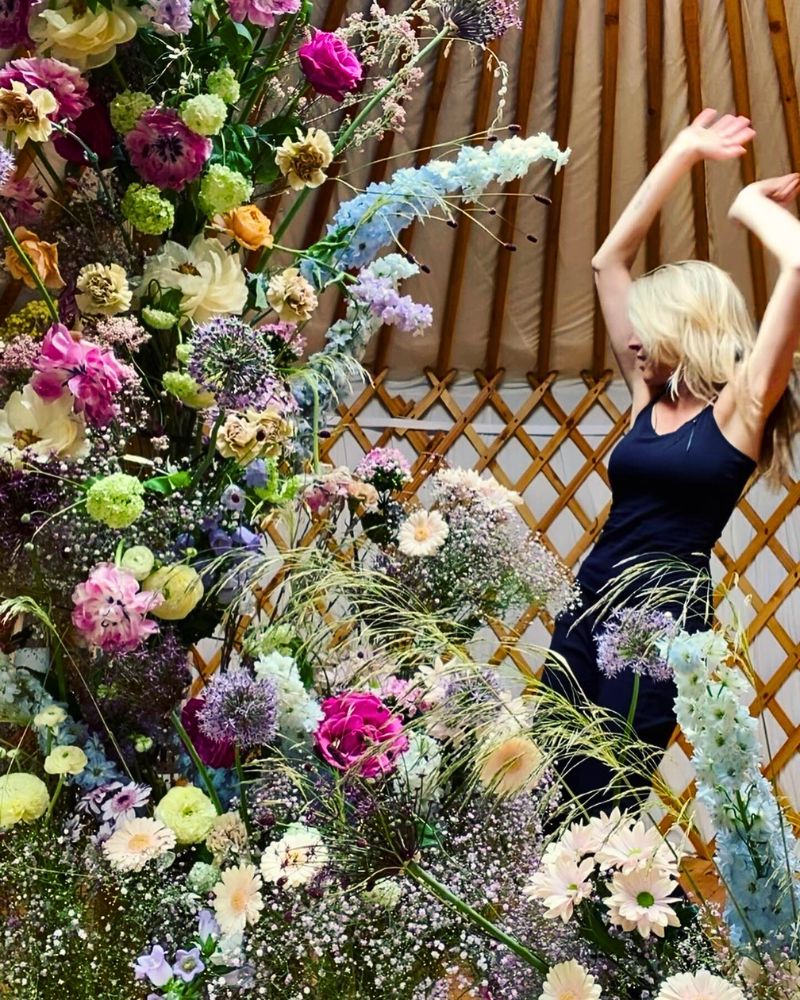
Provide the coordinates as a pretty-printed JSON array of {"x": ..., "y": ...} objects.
[
  {"x": 261, "y": 12},
  {"x": 360, "y": 733},
  {"x": 213, "y": 753},
  {"x": 329, "y": 65}
]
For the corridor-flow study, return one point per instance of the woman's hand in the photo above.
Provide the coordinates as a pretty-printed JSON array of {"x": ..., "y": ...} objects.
[
  {"x": 712, "y": 138},
  {"x": 780, "y": 190}
]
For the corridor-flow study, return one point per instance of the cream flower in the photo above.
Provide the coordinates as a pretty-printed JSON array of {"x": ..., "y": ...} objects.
[
  {"x": 291, "y": 296},
  {"x": 303, "y": 162},
  {"x": 570, "y": 981},
  {"x": 423, "y": 533},
  {"x": 227, "y": 836},
  {"x": 103, "y": 289},
  {"x": 253, "y": 434},
  {"x": 489, "y": 489},
  {"x": 50, "y": 717},
  {"x": 181, "y": 587},
  {"x": 511, "y": 767},
  {"x": 25, "y": 112},
  {"x": 238, "y": 899},
  {"x": 698, "y": 986},
  {"x": 641, "y": 901},
  {"x": 65, "y": 760},
  {"x": 137, "y": 841},
  {"x": 561, "y": 885},
  {"x": 84, "y": 36},
  {"x": 633, "y": 846},
  {"x": 23, "y": 798},
  {"x": 296, "y": 858},
  {"x": 31, "y": 427},
  {"x": 210, "y": 279},
  {"x": 188, "y": 812}
]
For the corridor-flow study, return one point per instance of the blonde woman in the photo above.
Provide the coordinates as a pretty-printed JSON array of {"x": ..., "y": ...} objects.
[{"x": 711, "y": 404}]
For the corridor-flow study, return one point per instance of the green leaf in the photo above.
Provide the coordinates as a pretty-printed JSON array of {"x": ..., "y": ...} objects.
[{"x": 168, "y": 483}]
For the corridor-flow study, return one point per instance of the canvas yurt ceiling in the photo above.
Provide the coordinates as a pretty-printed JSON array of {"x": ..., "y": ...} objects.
[{"x": 614, "y": 80}]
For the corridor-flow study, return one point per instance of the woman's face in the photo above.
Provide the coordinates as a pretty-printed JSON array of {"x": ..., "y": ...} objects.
[{"x": 653, "y": 374}]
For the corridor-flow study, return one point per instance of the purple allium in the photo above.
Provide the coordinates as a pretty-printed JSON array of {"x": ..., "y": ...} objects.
[
  {"x": 169, "y": 17},
  {"x": 188, "y": 964},
  {"x": 164, "y": 151},
  {"x": 14, "y": 17},
  {"x": 232, "y": 360},
  {"x": 385, "y": 468},
  {"x": 153, "y": 966},
  {"x": 239, "y": 708},
  {"x": 630, "y": 641},
  {"x": 380, "y": 296},
  {"x": 7, "y": 166},
  {"x": 481, "y": 21},
  {"x": 64, "y": 82}
]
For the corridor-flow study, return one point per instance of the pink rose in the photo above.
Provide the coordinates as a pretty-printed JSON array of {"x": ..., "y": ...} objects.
[
  {"x": 110, "y": 609},
  {"x": 329, "y": 65},
  {"x": 359, "y": 732},
  {"x": 261, "y": 12}
]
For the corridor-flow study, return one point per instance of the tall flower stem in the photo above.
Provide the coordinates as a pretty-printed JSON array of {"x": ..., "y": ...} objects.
[
  {"x": 201, "y": 768},
  {"x": 51, "y": 306},
  {"x": 56, "y": 794},
  {"x": 355, "y": 124},
  {"x": 637, "y": 681},
  {"x": 244, "y": 812},
  {"x": 435, "y": 887}
]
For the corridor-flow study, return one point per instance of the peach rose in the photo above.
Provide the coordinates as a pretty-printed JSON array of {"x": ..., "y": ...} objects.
[
  {"x": 43, "y": 256},
  {"x": 246, "y": 224}
]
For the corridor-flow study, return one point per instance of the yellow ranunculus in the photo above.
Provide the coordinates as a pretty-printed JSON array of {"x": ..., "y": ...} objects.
[
  {"x": 65, "y": 760},
  {"x": 188, "y": 812},
  {"x": 51, "y": 717},
  {"x": 83, "y": 36},
  {"x": 181, "y": 587},
  {"x": 23, "y": 798}
]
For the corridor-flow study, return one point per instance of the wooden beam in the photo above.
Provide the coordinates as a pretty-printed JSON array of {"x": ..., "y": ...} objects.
[
  {"x": 458, "y": 257},
  {"x": 782, "y": 54},
  {"x": 608, "y": 114},
  {"x": 566, "y": 78},
  {"x": 741, "y": 97},
  {"x": 529, "y": 44},
  {"x": 655, "y": 95},
  {"x": 427, "y": 137},
  {"x": 690, "y": 13}
]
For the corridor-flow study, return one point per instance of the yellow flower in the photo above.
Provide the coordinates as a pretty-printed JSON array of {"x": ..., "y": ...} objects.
[
  {"x": 182, "y": 589},
  {"x": 188, "y": 812},
  {"x": 50, "y": 717},
  {"x": 291, "y": 296},
  {"x": 83, "y": 36},
  {"x": 304, "y": 161},
  {"x": 43, "y": 256},
  {"x": 23, "y": 798},
  {"x": 25, "y": 113},
  {"x": 251, "y": 435},
  {"x": 65, "y": 760},
  {"x": 246, "y": 224},
  {"x": 102, "y": 289},
  {"x": 510, "y": 767}
]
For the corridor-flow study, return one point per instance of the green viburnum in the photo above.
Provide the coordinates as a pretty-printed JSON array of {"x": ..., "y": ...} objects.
[
  {"x": 223, "y": 189},
  {"x": 183, "y": 387},
  {"x": 116, "y": 500},
  {"x": 204, "y": 114},
  {"x": 127, "y": 108},
  {"x": 183, "y": 352},
  {"x": 159, "y": 319},
  {"x": 147, "y": 210},
  {"x": 224, "y": 84}
]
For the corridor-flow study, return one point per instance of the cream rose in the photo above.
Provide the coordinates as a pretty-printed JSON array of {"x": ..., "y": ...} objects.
[
  {"x": 81, "y": 36},
  {"x": 247, "y": 436},
  {"x": 181, "y": 587}
]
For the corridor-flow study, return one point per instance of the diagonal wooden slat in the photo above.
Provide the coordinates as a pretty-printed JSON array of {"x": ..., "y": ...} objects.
[{"x": 782, "y": 54}]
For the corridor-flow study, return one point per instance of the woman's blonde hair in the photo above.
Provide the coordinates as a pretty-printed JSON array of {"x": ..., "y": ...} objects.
[{"x": 691, "y": 317}]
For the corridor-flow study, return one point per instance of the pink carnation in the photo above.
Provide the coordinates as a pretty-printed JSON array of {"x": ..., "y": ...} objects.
[
  {"x": 329, "y": 65},
  {"x": 261, "y": 12},
  {"x": 164, "y": 151},
  {"x": 92, "y": 374},
  {"x": 110, "y": 609},
  {"x": 64, "y": 82},
  {"x": 359, "y": 732}
]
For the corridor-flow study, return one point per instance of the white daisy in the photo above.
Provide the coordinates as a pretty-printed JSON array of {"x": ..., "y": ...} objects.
[
  {"x": 698, "y": 986},
  {"x": 137, "y": 841},
  {"x": 570, "y": 981},
  {"x": 237, "y": 898},
  {"x": 641, "y": 901},
  {"x": 296, "y": 858},
  {"x": 422, "y": 533},
  {"x": 561, "y": 886},
  {"x": 634, "y": 846}
]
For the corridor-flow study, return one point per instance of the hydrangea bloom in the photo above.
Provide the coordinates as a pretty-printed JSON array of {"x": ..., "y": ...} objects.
[
  {"x": 65, "y": 83},
  {"x": 164, "y": 151},
  {"x": 91, "y": 374},
  {"x": 110, "y": 609}
]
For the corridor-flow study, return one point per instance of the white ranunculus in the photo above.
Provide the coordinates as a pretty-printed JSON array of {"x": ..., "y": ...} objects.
[{"x": 38, "y": 429}]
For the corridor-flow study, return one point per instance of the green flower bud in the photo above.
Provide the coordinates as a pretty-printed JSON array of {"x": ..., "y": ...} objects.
[
  {"x": 115, "y": 500},
  {"x": 224, "y": 84},
  {"x": 138, "y": 561},
  {"x": 127, "y": 108},
  {"x": 147, "y": 210},
  {"x": 223, "y": 189}
]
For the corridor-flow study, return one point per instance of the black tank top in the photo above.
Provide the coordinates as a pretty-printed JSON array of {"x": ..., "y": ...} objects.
[{"x": 671, "y": 496}]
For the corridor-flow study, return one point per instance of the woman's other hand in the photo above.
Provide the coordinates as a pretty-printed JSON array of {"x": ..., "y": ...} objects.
[
  {"x": 781, "y": 190},
  {"x": 713, "y": 138}
]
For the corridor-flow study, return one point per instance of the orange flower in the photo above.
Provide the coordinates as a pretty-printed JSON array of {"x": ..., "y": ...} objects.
[
  {"x": 43, "y": 256},
  {"x": 247, "y": 225}
]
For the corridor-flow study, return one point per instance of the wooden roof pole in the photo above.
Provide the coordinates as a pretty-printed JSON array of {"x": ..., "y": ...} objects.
[
  {"x": 655, "y": 93},
  {"x": 690, "y": 14},
  {"x": 782, "y": 54}
]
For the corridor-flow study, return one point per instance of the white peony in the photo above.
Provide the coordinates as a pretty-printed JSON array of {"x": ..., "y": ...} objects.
[
  {"x": 210, "y": 279},
  {"x": 33, "y": 428}
]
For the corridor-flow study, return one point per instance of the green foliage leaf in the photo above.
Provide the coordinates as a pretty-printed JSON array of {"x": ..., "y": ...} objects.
[{"x": 168, "y": 483}]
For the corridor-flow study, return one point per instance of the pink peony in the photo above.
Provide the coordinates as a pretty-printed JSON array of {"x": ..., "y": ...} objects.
[
  {"x": 164, "y": 151},
  {"x": 64, "y": 82},
  {"x": 261, "y": 12},
  {"x": 110, "y": 609},
  {"x": 91, "y": 373},
  {"x": 360, "y": 732},
  {"x": 14, "y": 17},
  {"x": 213, "y": 753},
  {"x": 329, "y": 65}
]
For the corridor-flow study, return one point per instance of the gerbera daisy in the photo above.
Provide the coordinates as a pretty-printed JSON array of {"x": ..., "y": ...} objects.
[
  {"x": 698, "y": 986},
  {"x": 570, "y": 981},
  {"x": 295, "y": 859},
  {"x": 511, "y": 767},
  {"x": 137, "y": 841},
  {"x": 422, "y": 533},
  {"x": 635, "y": 846},
  {"x": 237, "y": 898},
  {"x": 641, "y": 901},
  {"x": 561, "y": 886}
]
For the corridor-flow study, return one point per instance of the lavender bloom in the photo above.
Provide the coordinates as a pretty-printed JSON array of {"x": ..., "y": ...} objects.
[
  {"x": 380, "y": 296},
  {"x": 7, "y": 166},
  {"x": 232, "y": 360},
  {"x": 188, "y": 964},
  {"x": 631, "y": 640},
  {"x": 239, "y": 708},
  {"x": 154, "y": 967},
  {"x": 207, "y": 926},
  {"x": 256, "y": 474},
  {"x": 480, "y": 21},
  {"x": 170, "y": 17},
  {"x": 233, "y": 498}
]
